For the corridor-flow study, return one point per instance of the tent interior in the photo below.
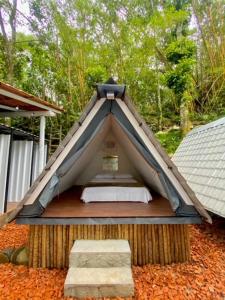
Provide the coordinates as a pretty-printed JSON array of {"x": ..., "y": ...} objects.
[{"x": 109, "y": 139}]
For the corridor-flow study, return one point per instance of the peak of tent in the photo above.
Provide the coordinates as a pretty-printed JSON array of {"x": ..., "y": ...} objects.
[
  {"x": 111, "y": 81},
  {"x": 110, "y": 90}
]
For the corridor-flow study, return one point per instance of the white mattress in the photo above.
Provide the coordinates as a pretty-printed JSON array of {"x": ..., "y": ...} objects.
[{"x": 116, "y": 194}]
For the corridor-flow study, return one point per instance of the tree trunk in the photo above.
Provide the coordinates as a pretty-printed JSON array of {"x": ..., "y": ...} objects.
[
  {"x": 160, "y": 115},
  {"x": 159, "y": 100},
  {"x": 185, "y": 123}
]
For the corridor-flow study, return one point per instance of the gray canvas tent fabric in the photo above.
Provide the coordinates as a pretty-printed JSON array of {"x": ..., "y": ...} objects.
[{"x": 109, "y": 107}]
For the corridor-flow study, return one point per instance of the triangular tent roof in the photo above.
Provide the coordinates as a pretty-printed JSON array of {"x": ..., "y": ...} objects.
[{"x": 110, "y": 111}]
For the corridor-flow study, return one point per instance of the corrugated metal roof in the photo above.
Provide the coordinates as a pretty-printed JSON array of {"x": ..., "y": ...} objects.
[
  {"x": 16, "y": 98},
  {"x": 200, "y": 158},
  {"x": 219, "y": 122}
]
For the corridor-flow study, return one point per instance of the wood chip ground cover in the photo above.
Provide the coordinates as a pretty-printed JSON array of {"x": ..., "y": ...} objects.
[{"x": 202, "y": 278}]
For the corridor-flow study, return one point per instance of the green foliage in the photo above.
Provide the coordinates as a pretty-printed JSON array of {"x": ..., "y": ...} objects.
[
  {"x": 148, "y": 45},
  {"x": 170, "y": 140},
  {"x": 181, "y": 49},
  {"x": 180, "y": 78},
  {"x": 95, "y": 74}
]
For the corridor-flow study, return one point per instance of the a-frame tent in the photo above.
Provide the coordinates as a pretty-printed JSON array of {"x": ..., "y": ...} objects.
[
  {"x": 110, "y": 112},
  {"x": 154, "y": 238}
]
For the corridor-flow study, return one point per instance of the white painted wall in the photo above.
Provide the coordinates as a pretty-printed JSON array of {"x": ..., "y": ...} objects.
[
  {"x": 4, "y": 156},
  {"x": 35, "y": 166},
  {"x": 20, "y": 170},
  {"x": 23, "y": 171}
]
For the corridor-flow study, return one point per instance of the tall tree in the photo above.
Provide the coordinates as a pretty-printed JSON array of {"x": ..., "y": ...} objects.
[
  {"x": 209, "y": 18},
  {"x": 8, "y": 15}
]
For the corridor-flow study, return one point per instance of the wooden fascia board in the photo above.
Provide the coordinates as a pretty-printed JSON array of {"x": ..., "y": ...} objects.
[{"x": 28, "y": 114}]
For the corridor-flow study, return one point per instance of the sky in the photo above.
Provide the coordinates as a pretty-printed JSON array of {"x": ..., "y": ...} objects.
[{"x": 23, "y": 7}]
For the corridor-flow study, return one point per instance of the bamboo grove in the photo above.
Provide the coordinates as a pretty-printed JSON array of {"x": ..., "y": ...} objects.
[{"x": 170, "y": 54}]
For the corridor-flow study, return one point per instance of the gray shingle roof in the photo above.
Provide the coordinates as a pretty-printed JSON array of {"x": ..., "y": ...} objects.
[{"x": 200, "y": 158}]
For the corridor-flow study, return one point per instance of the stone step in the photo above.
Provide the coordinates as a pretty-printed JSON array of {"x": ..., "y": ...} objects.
[
  {"x": 99, "y": 282},
  {"x": 100, "y": 254}
]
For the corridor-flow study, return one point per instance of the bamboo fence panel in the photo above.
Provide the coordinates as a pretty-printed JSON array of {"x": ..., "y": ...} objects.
[{"x": 50, "y": 245}]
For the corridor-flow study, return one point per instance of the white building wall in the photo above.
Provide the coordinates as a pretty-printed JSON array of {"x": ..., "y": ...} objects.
[
  {"x": 23, "y": 164},
  {"x": 35, "y": 166},
  {"x": 4, "y": 156},
  {"x": 20, "y": 170}
]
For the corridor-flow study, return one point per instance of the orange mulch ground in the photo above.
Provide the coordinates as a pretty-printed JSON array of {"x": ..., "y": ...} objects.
[
  {"x": 13, "y": 236},
  {"x": 203, "y": 278}
]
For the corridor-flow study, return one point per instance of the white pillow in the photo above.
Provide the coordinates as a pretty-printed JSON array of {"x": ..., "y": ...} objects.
[
  {"x": 104, "y": 176},
  {"x": 123, "y": 176}
]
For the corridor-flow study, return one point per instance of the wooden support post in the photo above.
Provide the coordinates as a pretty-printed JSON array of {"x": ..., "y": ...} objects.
[{"x": 42, "y": 144}]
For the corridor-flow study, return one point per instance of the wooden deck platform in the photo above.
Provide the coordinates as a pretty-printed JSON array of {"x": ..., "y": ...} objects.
[{"x": 69, "y": 205}]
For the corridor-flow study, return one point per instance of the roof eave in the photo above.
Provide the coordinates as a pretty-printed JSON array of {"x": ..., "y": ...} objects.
[{"x": 19, "y": 95}]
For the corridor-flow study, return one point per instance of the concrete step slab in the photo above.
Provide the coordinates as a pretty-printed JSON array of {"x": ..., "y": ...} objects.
[
  {"x": 100, "y": 254},
  {"x": 99, "y": 282}
]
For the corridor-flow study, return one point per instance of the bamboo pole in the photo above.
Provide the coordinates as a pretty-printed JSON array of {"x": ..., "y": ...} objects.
[
  {"x": 187, "y": 242},
  {"x": 85, "y": 232},
  {"x": 139, "y": 243},
  {"x": 142, "y": 250},
  {"x": 171, "y": 237},
  {"x": 43, "y": 247},
  {"x": 180, "y": 243},
  {"x": 64, "y": 245},
  {"x": 78, "y": 232},
  {"x": 30, "y": 245},
  {"x": 47, "y": 247},
  {"x": 149, "y": 246},
  {"x": 131, "y": 241},
  {"x": 176, "y": 250},
  {"x": 146, "y": 244},
  {"x": 35, "y": 247},
  {"x": 51, "y": 248},
  {"x": 39, "y": 246},
  {"x": 161, "y": 246},
  {"x": 135, "y": 260},
  {"x": 55, "y": 246},
  {"x": 165, "y": 250},
  {"x": 182, "y": 252},
  {"x": 155, "y": 248}
]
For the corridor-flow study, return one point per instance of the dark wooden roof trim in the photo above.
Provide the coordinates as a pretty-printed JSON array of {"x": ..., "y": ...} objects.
[{"x": 104, "y": 221}]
